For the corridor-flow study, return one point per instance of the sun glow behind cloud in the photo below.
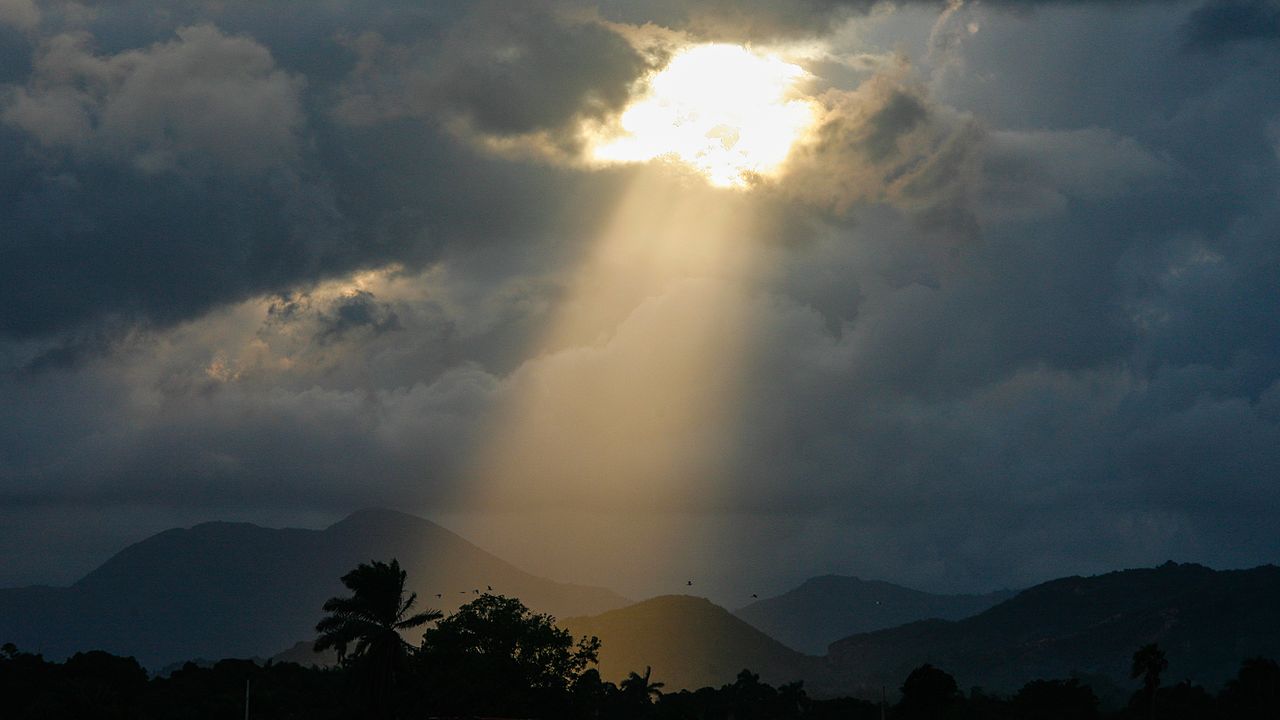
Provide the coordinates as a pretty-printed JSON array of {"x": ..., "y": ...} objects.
[{"x": 724, "y": 110}]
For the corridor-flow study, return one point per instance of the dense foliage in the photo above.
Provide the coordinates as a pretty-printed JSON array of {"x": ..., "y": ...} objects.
[
  {"x": 495, "y": 658},
  {"x": 98, "y": 685}
]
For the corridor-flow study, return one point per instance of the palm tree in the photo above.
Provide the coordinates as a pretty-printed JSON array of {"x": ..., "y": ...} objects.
[
  {"x": 1148, "y": 663},
  {"x": 365, "y": 628},
  {"x": 640, "y": 689}
]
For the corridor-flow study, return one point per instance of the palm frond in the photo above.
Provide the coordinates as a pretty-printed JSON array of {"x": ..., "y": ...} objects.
[{"x": 421, "y": 618}]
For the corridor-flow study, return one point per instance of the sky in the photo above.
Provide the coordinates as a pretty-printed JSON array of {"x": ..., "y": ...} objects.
[{"x": 1001, "y": 307}]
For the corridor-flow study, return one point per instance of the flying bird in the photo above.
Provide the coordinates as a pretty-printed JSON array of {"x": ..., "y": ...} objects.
[
  {"x": 689, "y": 583},
  {"x": 490, "y": 587}
]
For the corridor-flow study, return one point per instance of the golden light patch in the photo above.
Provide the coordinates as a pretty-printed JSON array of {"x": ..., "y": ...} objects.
[{"x": 724, "y": 110}]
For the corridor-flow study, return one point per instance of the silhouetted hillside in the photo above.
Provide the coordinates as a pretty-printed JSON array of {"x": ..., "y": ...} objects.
[
  {"x": 304, "y": 654},
  {"x": 1206, "y": 621},
  {"x": 827, "y": 608},
  {"x": 689, "y": 642},
  {"x": 238, "y": 590}
]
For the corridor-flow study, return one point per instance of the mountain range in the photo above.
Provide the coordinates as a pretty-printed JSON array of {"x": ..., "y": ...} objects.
[
  {"x": 1207, "y": 621},
  {"x": 830, "y": 607},
  {"x": 689, "y": 642},
  {"x": 238, "y": 590}
]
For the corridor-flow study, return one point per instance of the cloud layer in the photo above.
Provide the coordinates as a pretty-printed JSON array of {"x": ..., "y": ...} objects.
[{"x": 1007, "y": 313}]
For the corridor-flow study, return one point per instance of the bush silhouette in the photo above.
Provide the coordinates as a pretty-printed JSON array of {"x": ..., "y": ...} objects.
[
  {"x": 1055, "y": 700},
  {"x": 1255, "y": 691},
  {"x": 928, "y": 693}
]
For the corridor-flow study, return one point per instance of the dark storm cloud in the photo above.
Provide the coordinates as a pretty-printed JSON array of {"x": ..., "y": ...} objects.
[
  {"x": 19, "y": 14},
  {"x": 511, "y": 71},
  {"x": 154, "y": 179},
  {"x": 153, "y": 183},
  {"x": 500, "y": 71},
  {"x": 1101, "y": 342},
  {"x": 770, "y": 20},
  {"x": 887, "y": 141},
  {"x": 725, "y": 19},
  {"x": 1221, "y": 22},
  {"x": 354, "y": 312},
  {"x": 1010, "y": 324},
  {"x": 899, "y": 116}
]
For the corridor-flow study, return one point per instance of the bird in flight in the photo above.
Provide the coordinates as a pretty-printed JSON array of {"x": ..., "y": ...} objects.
[{"x": 689, "y": 584}]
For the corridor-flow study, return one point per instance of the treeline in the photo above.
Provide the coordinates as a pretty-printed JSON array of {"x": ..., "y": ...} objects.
[
  {"x": 494, "y": 658},
  {"x": 99, "y": 685}
]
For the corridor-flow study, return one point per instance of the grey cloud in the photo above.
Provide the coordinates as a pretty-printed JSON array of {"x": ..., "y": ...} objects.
[
  {"x": 1028, "y": 174},
  {"x": 223, "y": 415},
  {"x": 752, "y": 20},
  {"x": 502, "y": 71},
  {"x": 515, "y": 72},
  {"x": 356, "y": 311},
  {"x": 153, "y": 182},
  {"x": 772, "y": 20},
  {"x": 898, "y": 116},
  {"x": 883, "y": 142},
  {"x": 94, "y": 242},
  {"x": 201, "y": 100},
  {"x": 21, "y": 14},
  {"x": 1222, "y": 22},
  {"x": 912, "y": 464},
  {"x": 1041, "y": 338}
]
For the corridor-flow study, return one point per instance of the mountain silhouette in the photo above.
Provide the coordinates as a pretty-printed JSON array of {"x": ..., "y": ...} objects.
[
  {"x": 689, "y": 642},
  {"x": 1207, "y": 621},
  {"x": 826, "y": 608},
  {"x": 303, "y": 653},
  {"x": 224, "y": 589}
]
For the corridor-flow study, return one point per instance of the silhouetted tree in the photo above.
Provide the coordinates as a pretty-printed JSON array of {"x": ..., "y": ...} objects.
[
  {"x": 495, "y": 656},
  {"x": 279, "y": 690},
  {"x": 756, "y": 700},
  {"x": 1148, "y": 663},
  {"x": 639, "y": 689},
  {"x": 845, "y": 708},
  {"x": 1255, "y": 691},
  {"x": 593, "y": 697},
  {"x": 1184, "y": 701},
  {"x": 928, "y": 693},
  {"x": 365, "y": 628},
  {"x": 1055, "y": 700}
]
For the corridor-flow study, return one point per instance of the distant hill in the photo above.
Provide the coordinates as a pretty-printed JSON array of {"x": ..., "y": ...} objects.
[
  {"x": 238, "y": 590},
  {"x": 1207, "y": 621},
  {"x": 689, "y": 642},
  {"x": 827, "y": 608},
  {"x": 304, "y": 654}
]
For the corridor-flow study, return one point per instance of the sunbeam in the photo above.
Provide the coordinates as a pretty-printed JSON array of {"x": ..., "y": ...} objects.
[
  {"x": 626, "y": 408},
  {"x": 629, "y": 403}
]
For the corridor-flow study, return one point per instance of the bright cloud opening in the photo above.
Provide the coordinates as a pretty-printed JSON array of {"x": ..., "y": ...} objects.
[{"x": 724, "y": 110}]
